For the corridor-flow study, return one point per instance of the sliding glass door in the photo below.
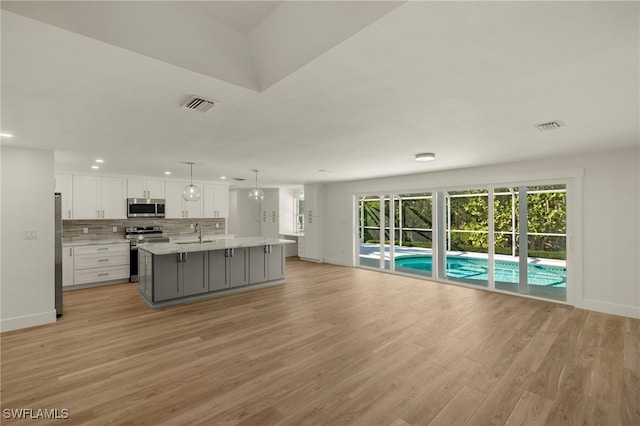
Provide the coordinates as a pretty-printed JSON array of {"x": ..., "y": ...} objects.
[
  {"x": 509, "y": 238},
  {"x": 371, "y": 231},
  {"x": 546, "y": 210},
  {"x": 414, "y": 234},
  {"x": 467, "y": 229}
]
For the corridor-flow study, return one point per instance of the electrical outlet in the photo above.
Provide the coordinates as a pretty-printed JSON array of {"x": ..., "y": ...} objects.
[
  {"x": 115, "y": 229},
  {"x": 217, "y": 225},
  {"x": 191, "y": 226},
  {"x": 85, "y": 230}
]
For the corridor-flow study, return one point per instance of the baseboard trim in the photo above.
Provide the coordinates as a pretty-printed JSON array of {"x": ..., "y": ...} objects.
[
  {"x": 306, "y": 259},
  {"x": 26, "y": 321},
  {"x": 609, "y": 308},
  {"x": 336, "y": 261}
]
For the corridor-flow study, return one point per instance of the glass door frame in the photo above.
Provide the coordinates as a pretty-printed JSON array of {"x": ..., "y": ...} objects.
[{"x": 572, "y": 180}]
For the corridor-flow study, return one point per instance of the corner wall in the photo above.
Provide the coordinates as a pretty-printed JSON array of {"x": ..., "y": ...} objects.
[
  {"x": 608, "y": 209},
  {"x": 27, "y": 276},
  {"x": 244, "y": 214}
]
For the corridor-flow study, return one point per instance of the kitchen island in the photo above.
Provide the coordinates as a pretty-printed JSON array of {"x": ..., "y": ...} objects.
[{"x": 178, "y": 272}]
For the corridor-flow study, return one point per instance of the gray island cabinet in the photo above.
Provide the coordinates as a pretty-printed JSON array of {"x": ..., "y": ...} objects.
[{"x": 171, "y": 273}]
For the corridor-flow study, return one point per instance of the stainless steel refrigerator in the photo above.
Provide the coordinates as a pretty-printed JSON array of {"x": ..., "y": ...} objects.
[{"x": 58, "y": 253}]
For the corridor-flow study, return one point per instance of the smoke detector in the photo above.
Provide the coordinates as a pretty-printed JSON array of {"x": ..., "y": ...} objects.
[
  {"x": 549, "y": 125},
  {"x": 199, "y": 104}
]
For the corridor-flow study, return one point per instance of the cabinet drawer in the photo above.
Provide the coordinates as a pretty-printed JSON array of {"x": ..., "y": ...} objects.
[
  {"x": 102, "y": 249},
  {"x": 95, "y": 275},
  {"x": 101, "y": 260}
]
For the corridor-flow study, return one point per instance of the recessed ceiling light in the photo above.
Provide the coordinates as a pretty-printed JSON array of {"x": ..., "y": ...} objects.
[
  {"x": 223, "y": 177},
  {"x": 95, "y": 167},
  {"x": 98, "y": 160},
  {"x": 6, "y": 135},
  {"x": 167, "y": 173},
  {"x": 425, "y": 156}
]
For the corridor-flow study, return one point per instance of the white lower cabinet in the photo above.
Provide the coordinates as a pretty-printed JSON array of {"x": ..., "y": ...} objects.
[
  {"x": 100, "y": 262},
  {"x": 67, "y": 266}
]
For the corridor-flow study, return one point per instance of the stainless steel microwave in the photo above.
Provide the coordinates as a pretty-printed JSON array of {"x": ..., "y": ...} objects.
[{"x": 145, "y": 207}]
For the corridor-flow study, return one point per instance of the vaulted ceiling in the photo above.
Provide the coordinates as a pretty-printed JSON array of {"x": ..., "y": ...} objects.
[{"x": 316, "y": 91}]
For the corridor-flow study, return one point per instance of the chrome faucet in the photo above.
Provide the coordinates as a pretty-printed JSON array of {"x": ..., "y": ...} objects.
[{"x": 198, "y": 228}]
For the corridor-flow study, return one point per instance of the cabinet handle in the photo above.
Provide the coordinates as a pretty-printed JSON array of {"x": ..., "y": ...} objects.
[
  {"x": 104, "y": 274},
  {"x": 103, "y": 214},
  {"x": 184, "y": 257},
  {"x": 103, "y": 248},
  {"x": 98, "y": 211},
  {"x": 103, "y": 260},
  {"x": 179, "y": 257},
  {"x": 69, "y": 214},
  {"x": 70, "y": 251},
  {"x": 232, "y": 252}
]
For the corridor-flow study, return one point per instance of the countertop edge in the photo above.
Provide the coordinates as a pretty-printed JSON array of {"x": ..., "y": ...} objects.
[{"x": 221, "y": 244}]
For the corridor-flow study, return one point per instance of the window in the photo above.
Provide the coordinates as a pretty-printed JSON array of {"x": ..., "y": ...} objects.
[{"x": 503, "y": 238}]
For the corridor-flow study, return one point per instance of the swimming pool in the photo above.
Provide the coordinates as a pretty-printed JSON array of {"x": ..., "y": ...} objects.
[{"x": 478, "y": 269}]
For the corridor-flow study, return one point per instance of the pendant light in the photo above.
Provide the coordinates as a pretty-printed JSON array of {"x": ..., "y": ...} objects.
[
  {"x": 191, "y": 192},
  {"x": 256, "y": 194}
]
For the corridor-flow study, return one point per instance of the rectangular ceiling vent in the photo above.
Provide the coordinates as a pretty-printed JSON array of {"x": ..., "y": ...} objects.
[
  {"x": 550, "y": 125},
  {"x": 199, "y": 104}
]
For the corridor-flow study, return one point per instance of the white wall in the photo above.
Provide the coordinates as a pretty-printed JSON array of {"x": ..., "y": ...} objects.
[
  {"x": 27, "y": 276},
  {"x": 605, "y": 205}
]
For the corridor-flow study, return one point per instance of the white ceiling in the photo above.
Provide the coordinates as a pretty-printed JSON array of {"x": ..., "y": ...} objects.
[{"x": 356, "y": 88}]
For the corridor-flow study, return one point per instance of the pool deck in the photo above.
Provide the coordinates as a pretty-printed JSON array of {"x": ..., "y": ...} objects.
[{"x": 372, "y": 251}]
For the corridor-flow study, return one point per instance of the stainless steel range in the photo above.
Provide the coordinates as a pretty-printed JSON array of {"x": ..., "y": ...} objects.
[{"x": 141, "y": 235}]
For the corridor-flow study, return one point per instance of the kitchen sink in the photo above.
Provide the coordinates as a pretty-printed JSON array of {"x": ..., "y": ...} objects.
[{"x": 193, "y": 241}]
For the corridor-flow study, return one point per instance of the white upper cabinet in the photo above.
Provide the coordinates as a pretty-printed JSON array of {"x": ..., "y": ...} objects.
[
  {"x": 145, "y": 188},
  {"x": 176, "y": 207},
  {"x": 216, "y": 200},
  {"x": 113, "y": 198},
  {"x": 64, "y": 185},
  {"x": 85, "y": 197},
  {"x": 99, "y": 197}
]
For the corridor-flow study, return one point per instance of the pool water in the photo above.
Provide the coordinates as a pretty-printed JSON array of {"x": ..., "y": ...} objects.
[{"x": 478, "y": 269}]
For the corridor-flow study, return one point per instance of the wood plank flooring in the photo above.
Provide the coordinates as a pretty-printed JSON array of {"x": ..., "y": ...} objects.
[{"x": 332, "y": 346}]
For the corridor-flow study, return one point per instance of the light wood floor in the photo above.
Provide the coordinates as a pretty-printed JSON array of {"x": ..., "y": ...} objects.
[{"x": 332, "y": 346}]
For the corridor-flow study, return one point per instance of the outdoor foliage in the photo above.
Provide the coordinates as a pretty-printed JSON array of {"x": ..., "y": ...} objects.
[{"x": 546, "y": 214}]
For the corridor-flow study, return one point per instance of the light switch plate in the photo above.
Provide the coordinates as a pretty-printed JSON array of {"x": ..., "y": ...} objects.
[
  {"x": 85, "y": 230},
  {"x": 30, "y": 234},
  {"x": 115, "y": 229}
]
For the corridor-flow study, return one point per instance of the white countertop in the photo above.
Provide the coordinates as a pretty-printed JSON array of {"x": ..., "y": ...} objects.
[
  {"x": 218, "y": 244},
  {"x": 95, "y": 242}
]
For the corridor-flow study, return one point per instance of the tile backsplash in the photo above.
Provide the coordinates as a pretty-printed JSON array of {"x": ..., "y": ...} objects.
[{"x": 98, "y": 230}]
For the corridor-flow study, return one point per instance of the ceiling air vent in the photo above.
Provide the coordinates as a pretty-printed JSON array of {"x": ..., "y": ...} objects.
[
  {"x": 199, "y": 104},
  {"x": 238, "y": 179},
  {"x": 550, "y": 125}
]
